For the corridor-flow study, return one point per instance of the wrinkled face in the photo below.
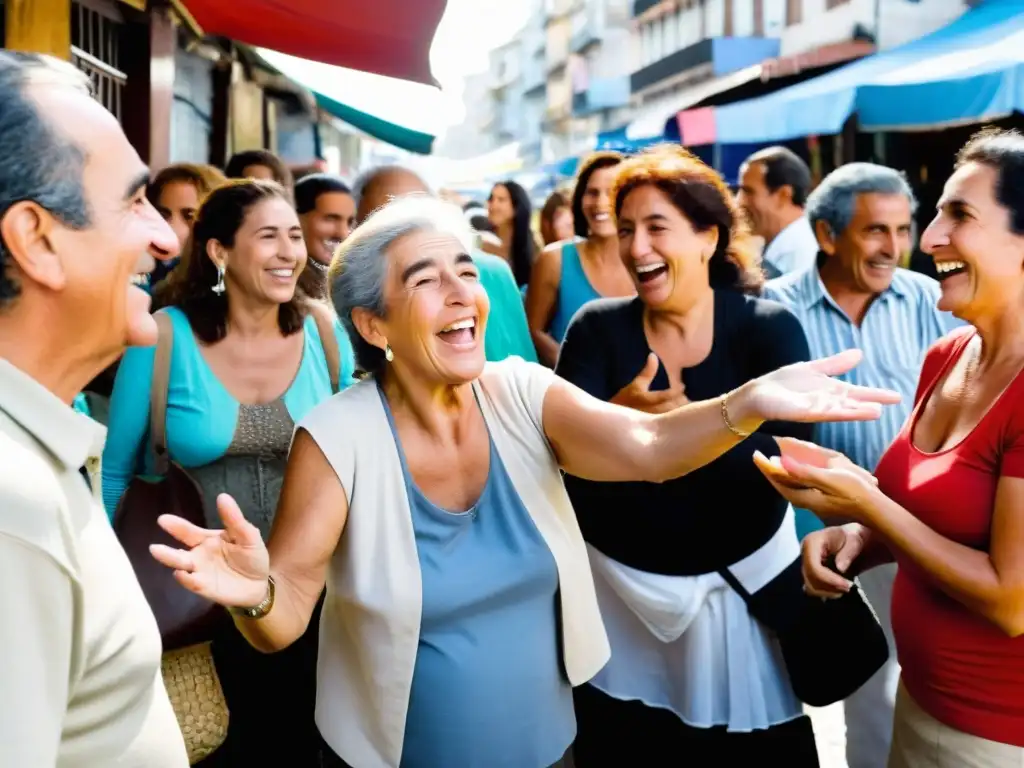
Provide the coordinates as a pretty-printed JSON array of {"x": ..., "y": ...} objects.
[
  {"x": 500, "y": 210},
  {"x": 562, "y": 224},
  {"x": 262, "y": 172},
  {"x": 178, "y": 203},
  {"x": 89, "y": 276},
  {"x": 667, "y": 258},
  {"x": 597, "y": 205},
  {"x": 436, "y": 309},
  {"x": 328, "y": 224},
  {"x": 268, "y": 256},
  {"x": 762, "y": 206},
  {"x": 876, "y": 239},
  {"x": 980, "y": 260}
]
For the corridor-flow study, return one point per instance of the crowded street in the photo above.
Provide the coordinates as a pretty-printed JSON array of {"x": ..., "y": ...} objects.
[{"x": 545, "y": 384}]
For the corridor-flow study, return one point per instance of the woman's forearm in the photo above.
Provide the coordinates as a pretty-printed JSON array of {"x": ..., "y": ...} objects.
[
  {"x": 547, "y": 347},
  {"x": 874, "y": 553},
  {"x": 683, "y": 440},
  {"x": 284, "y": 624},
  {"x": 965, "y": 574}
]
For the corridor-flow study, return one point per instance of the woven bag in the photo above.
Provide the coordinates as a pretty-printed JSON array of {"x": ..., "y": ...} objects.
[{"x": 198, "y": 699}]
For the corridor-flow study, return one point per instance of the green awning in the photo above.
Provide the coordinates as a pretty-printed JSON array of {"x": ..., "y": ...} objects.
[{"x": 401, "y": 113}]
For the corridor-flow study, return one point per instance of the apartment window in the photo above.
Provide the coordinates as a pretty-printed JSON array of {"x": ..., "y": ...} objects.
[
  {"x": 96, "y": 50},
  {"x": 794, "y": 12},
  {"x": 774, "y": 19},
  {"x": 714, "y": 18},
  {"x": 744, "y": 23}
]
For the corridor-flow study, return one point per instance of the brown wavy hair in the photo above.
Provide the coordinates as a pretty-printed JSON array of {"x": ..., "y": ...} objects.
[
  {"x": 205, "y": 178},
  {"x": 189, "y": 287},
  {"x": 700, "y": 194}
]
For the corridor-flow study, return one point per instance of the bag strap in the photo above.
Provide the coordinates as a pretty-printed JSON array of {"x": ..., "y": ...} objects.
[
  {"x": 158, "y": 391},
  {"x": 733, "y": 582},
  {"x": 324, "y": 318}
]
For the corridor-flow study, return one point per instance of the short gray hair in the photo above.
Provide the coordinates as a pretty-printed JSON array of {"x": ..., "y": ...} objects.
[
  {"x": 38, "y": 161},
  {"x": 359, "y": 269},
  {"x": 836, "y": 197},
  {"x": 366, "y": 180}
]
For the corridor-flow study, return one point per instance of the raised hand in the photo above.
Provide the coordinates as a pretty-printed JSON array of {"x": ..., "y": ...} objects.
[
  {"x": 638, "y": 395},
  {"x": 840, "y": 545},
  {"x": 806, "y": 392},
  {"x": 823, "y": 481},
  {"x": 228, "y": 566}
]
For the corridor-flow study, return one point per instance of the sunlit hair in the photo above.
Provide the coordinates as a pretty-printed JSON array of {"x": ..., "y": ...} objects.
[
  {"x": 205, "y": 178},
  {"x": 190, "y": 286},
  {"x": 591, "y": 163},
  {"x": 359, "y": 269},
  {"x": 700, "y": 194}
]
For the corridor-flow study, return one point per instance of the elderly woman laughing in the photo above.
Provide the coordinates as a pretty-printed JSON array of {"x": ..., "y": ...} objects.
[{"x": 460, "y": 608}]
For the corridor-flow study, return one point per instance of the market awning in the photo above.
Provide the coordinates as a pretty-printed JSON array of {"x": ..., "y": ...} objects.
[
  {"x": 405, "y": 114},
  {"x": 968, "y": 71},
  {"x": 386, "y": 37}
]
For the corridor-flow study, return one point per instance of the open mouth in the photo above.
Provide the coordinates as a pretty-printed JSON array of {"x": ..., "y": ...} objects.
[
  {"x": 947, "y": 269},
  {"x": 646, "y": 273},
  {"x": 459, "y": 333},
  {"x": 602, "y": 217},
  {"x": 283, "y": 273},
  {"x": 881, "y": 265}
]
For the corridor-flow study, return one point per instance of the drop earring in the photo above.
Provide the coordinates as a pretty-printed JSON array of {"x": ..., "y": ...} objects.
[
  {"x": 218, "y": 288},
  {"x": 388, "y": 354}
]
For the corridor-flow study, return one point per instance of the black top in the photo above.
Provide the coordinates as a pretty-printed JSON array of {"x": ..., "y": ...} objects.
[{"x": 722, "y": 512}]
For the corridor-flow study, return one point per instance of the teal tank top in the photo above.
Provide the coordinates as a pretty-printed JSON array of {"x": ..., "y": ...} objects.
[{"x": 574, "y": 290}]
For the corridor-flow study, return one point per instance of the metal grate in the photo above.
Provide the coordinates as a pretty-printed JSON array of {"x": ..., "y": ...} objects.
[{"x": 95, "y": 49}]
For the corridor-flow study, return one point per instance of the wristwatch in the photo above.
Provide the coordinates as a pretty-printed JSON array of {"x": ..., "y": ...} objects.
[{"x": 261, "y": 610}]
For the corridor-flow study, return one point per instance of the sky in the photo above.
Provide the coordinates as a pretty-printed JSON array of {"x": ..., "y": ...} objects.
[{"x": 468, "y": 31}]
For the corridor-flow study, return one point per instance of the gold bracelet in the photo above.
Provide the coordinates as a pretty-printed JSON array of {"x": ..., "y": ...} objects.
[{"x": 728, "y": 422}]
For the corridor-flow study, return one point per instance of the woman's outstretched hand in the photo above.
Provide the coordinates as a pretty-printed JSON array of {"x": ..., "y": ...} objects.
[
  {"x": 228, "y": 566},
  {"x": 807, "y": 392}
]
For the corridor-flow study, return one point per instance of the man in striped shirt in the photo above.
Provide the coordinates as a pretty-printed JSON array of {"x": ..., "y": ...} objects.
[{"x": 856, "y": 295}]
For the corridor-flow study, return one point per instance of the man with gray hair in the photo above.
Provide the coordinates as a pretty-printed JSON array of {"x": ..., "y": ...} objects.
[
  {"x": 507, "y": 332},
  {"x": 857, "y": 295},
  {"x": 79, "y": 647}
]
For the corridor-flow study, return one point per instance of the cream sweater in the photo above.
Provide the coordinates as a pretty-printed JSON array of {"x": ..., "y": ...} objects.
[{"x": 369, "y": 630}]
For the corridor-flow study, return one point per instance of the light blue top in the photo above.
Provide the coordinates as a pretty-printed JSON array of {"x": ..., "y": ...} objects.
[
  {"x": 574, "y": 290},
  {"x": 201, "y": 413},
  {"x": 898, "y": 328},
  {"x": 488, "y": 689}
]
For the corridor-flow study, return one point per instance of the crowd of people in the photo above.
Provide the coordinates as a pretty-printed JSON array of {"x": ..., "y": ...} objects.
[{"x": 479, "y": 490}]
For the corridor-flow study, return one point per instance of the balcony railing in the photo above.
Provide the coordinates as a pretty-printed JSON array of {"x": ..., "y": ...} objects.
[{"x": 639, "y": 6}]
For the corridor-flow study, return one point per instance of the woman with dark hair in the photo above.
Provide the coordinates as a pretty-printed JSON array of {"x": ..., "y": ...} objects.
[
  {"x": 247, "y": 362},
  {"x": 569, "y": 274},
  {"x": 176, "y": 193},
  {"x": 946, "y": 502},
  {"x": 556, "y": 219},
  {"x": 510, "y": 212},
  {"x": 691, "y": 671}
]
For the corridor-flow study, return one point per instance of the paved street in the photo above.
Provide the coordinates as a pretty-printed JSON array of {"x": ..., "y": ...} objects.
[{"x": 830, "y": 732}]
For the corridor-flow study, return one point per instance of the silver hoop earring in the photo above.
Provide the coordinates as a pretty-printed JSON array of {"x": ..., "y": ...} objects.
[
  {"x": 219, "y": 287},
  {"x": 388, "y": 354}
]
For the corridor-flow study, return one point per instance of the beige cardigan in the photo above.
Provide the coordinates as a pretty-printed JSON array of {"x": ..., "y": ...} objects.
[{"x": 369, "y": 631}]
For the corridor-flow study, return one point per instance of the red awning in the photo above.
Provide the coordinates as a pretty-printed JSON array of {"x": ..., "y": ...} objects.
[{"x": 386, "y": 37}]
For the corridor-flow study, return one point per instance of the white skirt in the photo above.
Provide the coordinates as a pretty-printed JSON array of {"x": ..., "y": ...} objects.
[{"x": 689, "y": 645}]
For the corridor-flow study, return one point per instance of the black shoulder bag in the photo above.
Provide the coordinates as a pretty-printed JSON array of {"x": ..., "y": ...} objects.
[{"x": 831, "y": 647}]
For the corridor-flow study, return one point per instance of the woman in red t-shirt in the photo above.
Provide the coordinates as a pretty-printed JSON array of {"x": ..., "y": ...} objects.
[{"x": 948, "y": 505}]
